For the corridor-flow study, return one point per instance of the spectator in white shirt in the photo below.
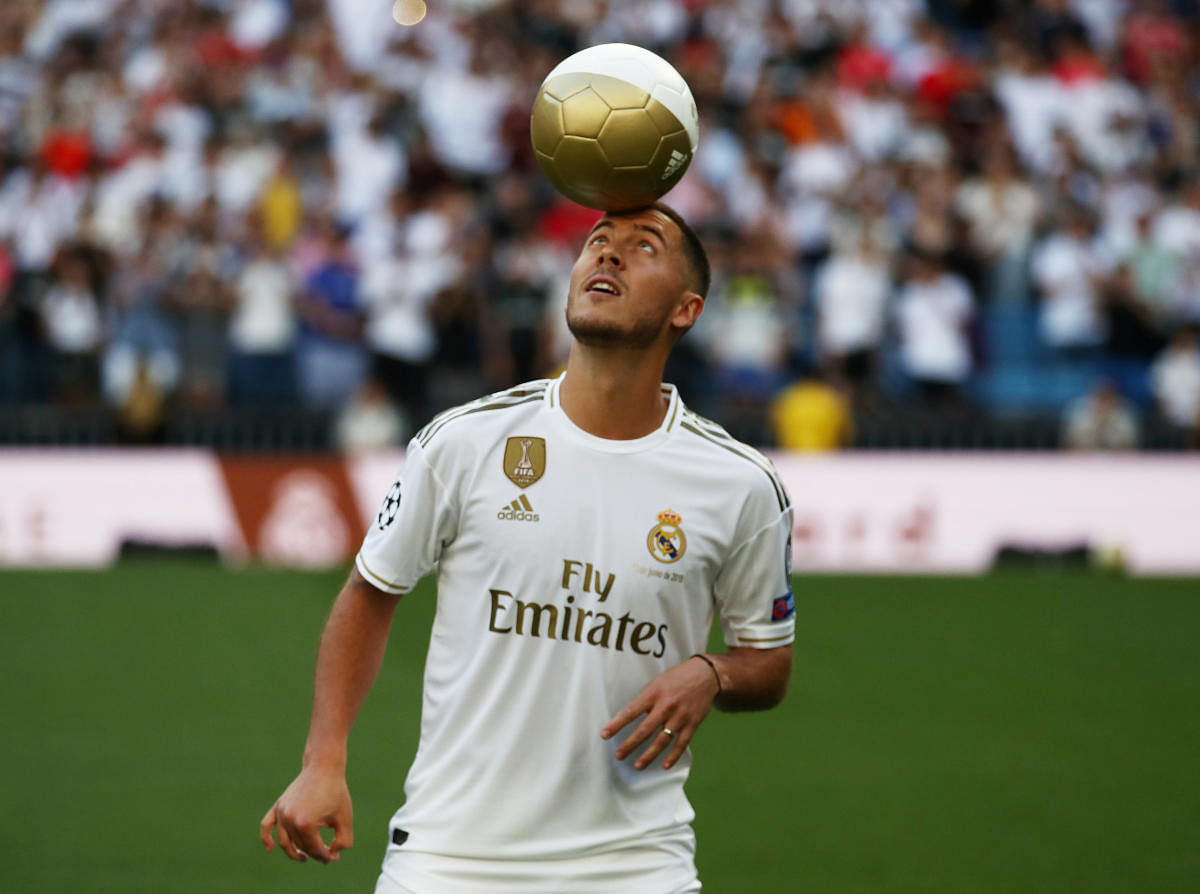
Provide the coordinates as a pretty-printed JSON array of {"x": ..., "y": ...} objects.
[
  {"x": 396, "y": 296},
  {"x": 1105, "y": 115},
  {"x": 1175, "y": 378},
  {"x": 370, "y": 422},
  {"x": 1177, "y": 230},
  {"x": 38, "y": 213},
  {"x": 20, "y": 76},
  {"x": 1000, "y": 209},
  {"x": 262, "y": 330},
  {"x": 933, "y": 313},
  {"x": 255, "y": 23},
  {"x": 1033, "y": 102},
  {"x": 462, "y": 112},
  {"x": 1100, "y": 420},
  {"x": 851, "y": 292},
  {"x": 122, "y": 195},
  {"x": 74, "y": 329},
  {"x": 370, "y": 166},
  {"x": 243, "y": 167},
  {"x": 1068, "y": 266},
  {"x": 876, "y": 122}
]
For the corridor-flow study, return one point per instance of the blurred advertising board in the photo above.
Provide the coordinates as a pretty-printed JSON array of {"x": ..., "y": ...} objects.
[
  {"x": 854, "y": 512},
  {"x": 952, "y": 513}
]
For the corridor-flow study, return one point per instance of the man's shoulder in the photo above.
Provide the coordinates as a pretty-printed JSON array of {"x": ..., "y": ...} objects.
[
  {"x": 486, "y": 411},
  {"x": 738, "y": 461}
]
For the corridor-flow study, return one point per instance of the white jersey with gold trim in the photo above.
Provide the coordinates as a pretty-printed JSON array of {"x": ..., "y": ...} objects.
[{"x": 571, "y": 570}]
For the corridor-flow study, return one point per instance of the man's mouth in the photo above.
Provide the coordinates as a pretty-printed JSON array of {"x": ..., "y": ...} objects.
[{"x": 602, "y": 284}]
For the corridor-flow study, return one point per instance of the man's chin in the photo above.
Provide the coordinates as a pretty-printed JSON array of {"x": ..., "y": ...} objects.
[
  {"x": 606, "y": 334},
  {"x": 596, "y": 333}
]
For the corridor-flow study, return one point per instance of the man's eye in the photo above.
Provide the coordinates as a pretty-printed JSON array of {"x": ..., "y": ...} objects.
[
  {"x": 646, "y": 246},
  {"x": 598, "y": 240}
]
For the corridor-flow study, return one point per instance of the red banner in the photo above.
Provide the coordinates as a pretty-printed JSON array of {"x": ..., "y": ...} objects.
[{"x": 295, "y": 512}]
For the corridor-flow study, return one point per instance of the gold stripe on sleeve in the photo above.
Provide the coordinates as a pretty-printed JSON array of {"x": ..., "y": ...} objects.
[
  {"x": 780, "y": 493},
  {"x": 768, "y": 639},
  {"x": 719, "y": 434},
  {"x": 379, "y": 581}
]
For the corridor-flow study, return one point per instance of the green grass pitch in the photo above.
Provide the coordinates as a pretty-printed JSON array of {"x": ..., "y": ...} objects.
[{"x": 1019, "y": 732}]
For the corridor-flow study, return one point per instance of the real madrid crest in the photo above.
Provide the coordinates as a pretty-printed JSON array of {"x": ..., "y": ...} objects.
[
  {"x": 524, "y": 460},
  {"x": 666, "y": 540}
]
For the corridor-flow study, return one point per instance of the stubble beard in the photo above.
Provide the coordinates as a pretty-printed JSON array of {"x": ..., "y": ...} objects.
[{"x": 607, "y": 334}]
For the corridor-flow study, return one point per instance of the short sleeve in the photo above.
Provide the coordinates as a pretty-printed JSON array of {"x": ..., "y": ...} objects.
[
  {"x": 754, "y": 588},
  {"x": 417, "y": 520}
]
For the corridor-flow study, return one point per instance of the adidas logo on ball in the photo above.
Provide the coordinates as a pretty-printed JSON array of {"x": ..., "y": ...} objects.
[{"x": 677, "y": 158}]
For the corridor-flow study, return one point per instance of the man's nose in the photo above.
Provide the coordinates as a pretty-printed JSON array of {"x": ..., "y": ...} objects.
[{"x": 610, "y": 255}]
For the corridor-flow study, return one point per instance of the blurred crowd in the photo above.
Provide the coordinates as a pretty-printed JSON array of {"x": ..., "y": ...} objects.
[{"x": 950, "y": 203}]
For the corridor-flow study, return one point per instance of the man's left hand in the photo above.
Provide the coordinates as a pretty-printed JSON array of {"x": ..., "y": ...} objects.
[{"x": 674, "y": 704}]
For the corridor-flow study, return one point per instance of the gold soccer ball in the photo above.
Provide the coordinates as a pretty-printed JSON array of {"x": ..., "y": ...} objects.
[{"x": 614, "y": 127}]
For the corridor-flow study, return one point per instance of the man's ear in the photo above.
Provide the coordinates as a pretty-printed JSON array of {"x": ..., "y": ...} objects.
[{"x": 690, "y": 306}]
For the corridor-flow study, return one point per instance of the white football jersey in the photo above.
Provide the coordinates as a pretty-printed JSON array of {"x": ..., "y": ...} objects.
[{"x": 571, "y": 570}]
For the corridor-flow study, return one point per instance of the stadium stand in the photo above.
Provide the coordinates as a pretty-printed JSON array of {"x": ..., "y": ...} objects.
[{"x": 223, "y": 221}]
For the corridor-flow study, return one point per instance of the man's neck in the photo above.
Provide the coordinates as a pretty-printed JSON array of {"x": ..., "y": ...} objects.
[{"x": 613, "y": 395}]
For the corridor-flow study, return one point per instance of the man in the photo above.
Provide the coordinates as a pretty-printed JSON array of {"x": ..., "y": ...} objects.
[{"x": 582, "y": 529}]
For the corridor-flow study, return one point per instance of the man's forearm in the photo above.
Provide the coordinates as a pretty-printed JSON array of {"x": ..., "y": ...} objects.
[
  {"x": 751, "y": 679},
  {"x": 352, "y": 647}
]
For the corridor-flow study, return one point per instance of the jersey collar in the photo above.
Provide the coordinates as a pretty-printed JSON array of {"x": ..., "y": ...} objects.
[{"x": 646, "y": 442}]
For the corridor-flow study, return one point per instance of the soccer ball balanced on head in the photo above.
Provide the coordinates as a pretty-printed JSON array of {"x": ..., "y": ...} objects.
[{"x": 614, "y": 127}]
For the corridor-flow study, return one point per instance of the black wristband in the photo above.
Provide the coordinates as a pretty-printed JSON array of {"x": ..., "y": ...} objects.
[{"x": 708, "y": 661}]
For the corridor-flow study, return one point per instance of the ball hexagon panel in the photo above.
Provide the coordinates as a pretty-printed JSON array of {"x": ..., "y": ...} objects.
[
  {"x": 629, "y": 138},
  {"x": 564, "y": 86},
  {"x": 584, "y": 114},
  {"x": 626, "y": 188},
  {"x": 577, "y": 164},
  {"x": 546, "y": 124},
  {"x": 618, "y": 94},
  {"x": 672, "y": 158},
  {"x": 633, "y": 69},
  {"x": 664, "y": 119}
]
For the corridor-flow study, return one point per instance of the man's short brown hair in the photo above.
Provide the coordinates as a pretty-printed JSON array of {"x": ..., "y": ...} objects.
[{"x": 693, "y": 250}]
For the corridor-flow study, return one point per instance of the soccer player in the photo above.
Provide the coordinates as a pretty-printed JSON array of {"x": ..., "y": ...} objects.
[{"x": 583, "y": 530}]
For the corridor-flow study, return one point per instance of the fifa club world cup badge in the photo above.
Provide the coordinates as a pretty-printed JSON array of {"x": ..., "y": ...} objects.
[
  {"x": 666, "y": 540},
  {"x": 525, "y": 460}
]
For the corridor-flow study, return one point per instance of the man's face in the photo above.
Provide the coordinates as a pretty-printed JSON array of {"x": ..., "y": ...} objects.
[{"x": 629, "y": 282}]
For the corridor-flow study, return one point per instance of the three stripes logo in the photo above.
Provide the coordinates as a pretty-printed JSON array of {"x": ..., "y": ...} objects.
[
  {"x": 677, "y": 158},
  {"x": 519, "y": 509}
]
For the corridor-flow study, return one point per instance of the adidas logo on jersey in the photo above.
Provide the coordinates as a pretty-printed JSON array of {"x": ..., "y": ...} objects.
[{"x": 519, "y": 509}]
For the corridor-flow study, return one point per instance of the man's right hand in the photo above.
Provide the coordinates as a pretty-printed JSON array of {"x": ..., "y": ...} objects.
[
  {"x": 314, "y": 801},
  {"x": 351, "y": 652}
]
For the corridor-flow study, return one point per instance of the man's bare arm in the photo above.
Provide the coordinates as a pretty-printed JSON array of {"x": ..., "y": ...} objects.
[
  {"x": 752, "y": 679},
  {"x": 675, "y": 703},
  {"x": 351, "y": 652}
]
